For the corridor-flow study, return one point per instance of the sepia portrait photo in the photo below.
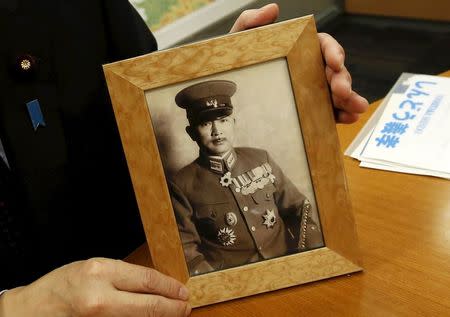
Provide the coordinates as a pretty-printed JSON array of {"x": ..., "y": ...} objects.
[
  {"x": 233, "y": 155},
  {"x": 235, "y": 160}
]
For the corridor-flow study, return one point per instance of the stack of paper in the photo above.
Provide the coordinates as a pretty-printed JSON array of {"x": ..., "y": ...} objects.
[{"x": 410, "y": 130}]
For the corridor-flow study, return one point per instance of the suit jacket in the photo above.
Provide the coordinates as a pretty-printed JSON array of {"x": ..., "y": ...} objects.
[
  {"x": 73, "y": 183},
  {"x": 239, "y": 212}
]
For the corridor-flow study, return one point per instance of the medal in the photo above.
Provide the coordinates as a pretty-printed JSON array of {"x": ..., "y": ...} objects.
[
  {"x": 261, "y": 183},
  {"x": 226, "y": 236},
  {"x": 254, "y": 179},
  {"x": 269, "y": 218},
  {"x": 231, "y": 218},
  {"x": 226, "y": 179}
]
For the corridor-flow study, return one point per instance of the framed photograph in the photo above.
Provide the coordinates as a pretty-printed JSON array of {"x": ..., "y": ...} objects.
[{"x": 235, "y": 161}]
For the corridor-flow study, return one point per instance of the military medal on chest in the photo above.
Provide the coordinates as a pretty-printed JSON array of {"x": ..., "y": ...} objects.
[
  {"x": 231, "y": 218},
  {"x": 250, "y": 181},
  {"x": 226, "y": 179},
  {"x": 269, "y": 218},
  {"x": 226, "y": 236}
]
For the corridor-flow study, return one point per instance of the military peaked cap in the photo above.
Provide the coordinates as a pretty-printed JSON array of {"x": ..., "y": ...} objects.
[{"x": 207, "y": 100}]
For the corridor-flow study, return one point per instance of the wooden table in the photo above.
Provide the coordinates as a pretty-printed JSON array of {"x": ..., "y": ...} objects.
[{"x": 403, "y": 224}]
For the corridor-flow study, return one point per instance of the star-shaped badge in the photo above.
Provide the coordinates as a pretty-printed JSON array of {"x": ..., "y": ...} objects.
[
  {"x": 226, "y": 179},
  {"x": 269, "y": 218},
  {"x": 226, "y": 236}
]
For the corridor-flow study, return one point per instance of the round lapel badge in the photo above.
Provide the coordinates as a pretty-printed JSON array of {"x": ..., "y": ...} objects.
[{"x": 231, "y": 218}]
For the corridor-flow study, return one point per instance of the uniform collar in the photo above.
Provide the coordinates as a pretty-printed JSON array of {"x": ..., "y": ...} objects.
[{"x": 218, "y": 164}]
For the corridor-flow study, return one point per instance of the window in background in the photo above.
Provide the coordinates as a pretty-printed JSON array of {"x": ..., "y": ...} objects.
[
  {"x": 175, "y": 21},
  {"x": 158, "y": 14}
]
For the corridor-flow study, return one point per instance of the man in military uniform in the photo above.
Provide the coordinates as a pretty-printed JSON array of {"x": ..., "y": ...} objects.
[{"x": 233, "y": 205}]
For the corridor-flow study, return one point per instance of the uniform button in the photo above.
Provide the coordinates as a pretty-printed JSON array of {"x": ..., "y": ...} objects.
[
  {"x": 253, "y": 228},
  {"x": 267, "y": 195},
  {"x": 245, "y": 208},
  {"x": 260, "y": 248}
]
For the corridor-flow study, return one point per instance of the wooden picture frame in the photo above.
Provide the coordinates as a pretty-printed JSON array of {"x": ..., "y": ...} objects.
[{"x": 295, "y": 41}]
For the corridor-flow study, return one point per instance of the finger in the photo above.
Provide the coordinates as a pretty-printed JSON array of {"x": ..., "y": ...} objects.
[
  {"x": 332, "y": 51},
  {"x": 354, "y": 104},
  {"x": 340, "y": 83},
  {"x": 329, "y": 72},
  {"x": 256, "y": 17},
  {"x": 345, "y": 117},
  {"x": 135, "y": 278},
  {"x": 126, "y": 304}
]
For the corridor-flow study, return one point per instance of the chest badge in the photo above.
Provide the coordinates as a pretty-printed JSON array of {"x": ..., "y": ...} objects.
[
  {"x": 226, "y": 179},
  {"x": 231, "y": 218},
  {"x": 269, "y": 218},
  {"x": 226, "y": 236}
]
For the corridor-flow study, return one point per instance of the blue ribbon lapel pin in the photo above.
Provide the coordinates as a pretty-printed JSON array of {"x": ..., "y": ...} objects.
[{"x": 34, "y": 110}]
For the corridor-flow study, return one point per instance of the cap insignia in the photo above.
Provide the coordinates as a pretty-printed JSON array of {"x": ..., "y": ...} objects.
[{"x": 212, "y": 103}]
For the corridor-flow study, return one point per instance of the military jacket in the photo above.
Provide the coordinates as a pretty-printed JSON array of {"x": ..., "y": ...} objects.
[{"x": 238, "y": 211}]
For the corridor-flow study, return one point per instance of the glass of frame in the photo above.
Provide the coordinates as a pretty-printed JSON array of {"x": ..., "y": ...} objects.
[{"x": 233, "y": 152}]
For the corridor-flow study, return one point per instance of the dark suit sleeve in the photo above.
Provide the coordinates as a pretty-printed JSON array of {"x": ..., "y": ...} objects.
[
  {"x": 129, "y": 34},
  {"x": 188, "y": 232}
]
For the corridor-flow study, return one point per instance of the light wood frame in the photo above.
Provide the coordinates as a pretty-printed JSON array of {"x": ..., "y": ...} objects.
[{"x": 297, "y": 41}]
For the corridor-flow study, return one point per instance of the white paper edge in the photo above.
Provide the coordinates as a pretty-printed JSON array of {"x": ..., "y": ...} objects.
[
  {"x": 402, "y": 169},
  {"x": 356, "y": 147}
]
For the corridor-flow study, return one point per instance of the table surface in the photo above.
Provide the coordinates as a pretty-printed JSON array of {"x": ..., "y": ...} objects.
[{"x": 403, "y": 225}]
